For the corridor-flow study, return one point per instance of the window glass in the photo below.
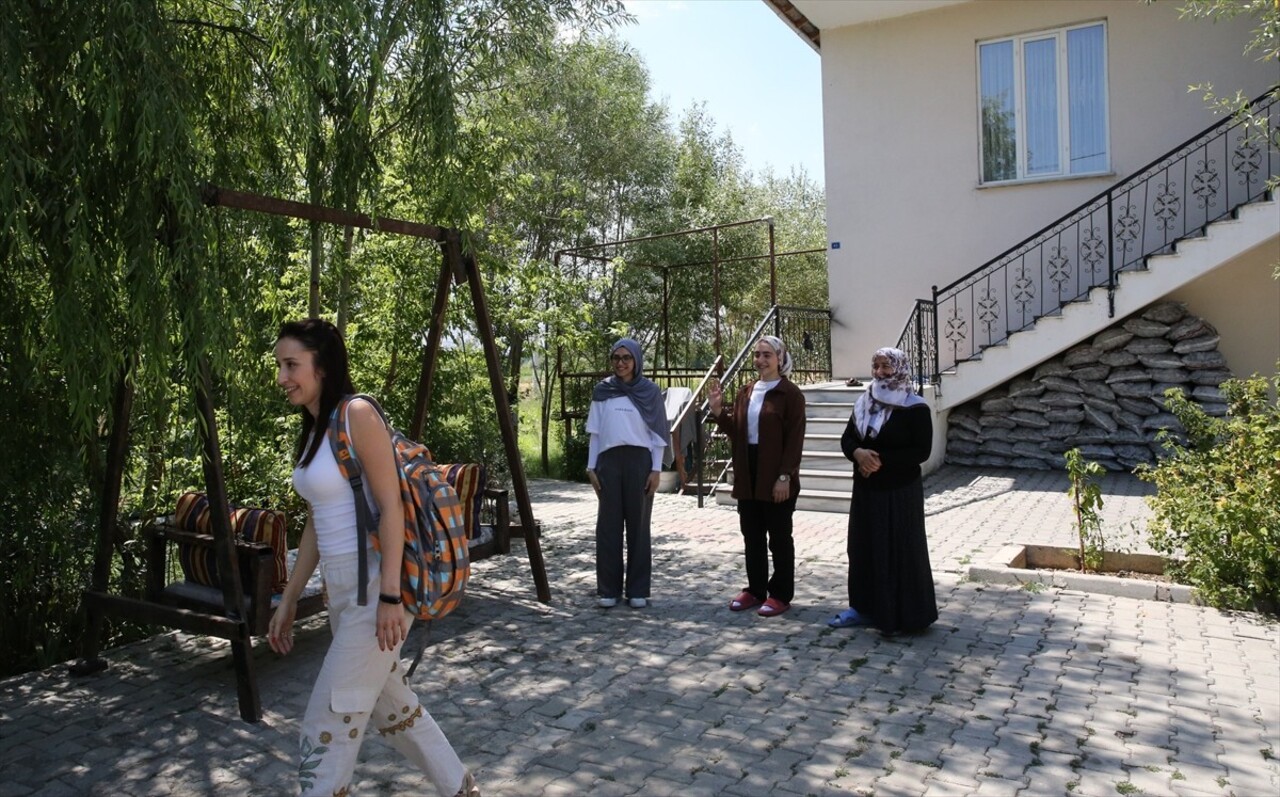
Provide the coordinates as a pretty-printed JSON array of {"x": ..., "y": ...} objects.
[
  {"x": 1044, "y": 104},
  {"x": 1040, "y": 58},
  {"x": 1087, "y": 101},
  {"x": 999, "y": 141}
]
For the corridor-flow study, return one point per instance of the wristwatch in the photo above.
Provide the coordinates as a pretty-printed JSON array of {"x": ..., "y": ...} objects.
[{"x": 784, "y": 478}]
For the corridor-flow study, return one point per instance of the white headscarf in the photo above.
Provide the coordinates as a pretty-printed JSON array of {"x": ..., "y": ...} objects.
[
  {"x": 785, "y": 363},
  {"x": 875, "y": 406}
]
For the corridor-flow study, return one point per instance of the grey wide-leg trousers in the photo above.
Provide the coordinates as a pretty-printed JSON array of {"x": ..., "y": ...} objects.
[{"x": 623, "y": 471}]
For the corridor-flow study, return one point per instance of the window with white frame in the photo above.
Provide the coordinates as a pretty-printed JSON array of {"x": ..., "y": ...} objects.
[{"x": 1044, "y": 104}]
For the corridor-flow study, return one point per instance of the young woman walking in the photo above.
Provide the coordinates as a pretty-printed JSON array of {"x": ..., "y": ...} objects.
[{"x": 361, "y": 679}]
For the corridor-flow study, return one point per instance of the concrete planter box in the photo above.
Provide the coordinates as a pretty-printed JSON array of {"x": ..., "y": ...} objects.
[{"x": 1051, "y": 566}]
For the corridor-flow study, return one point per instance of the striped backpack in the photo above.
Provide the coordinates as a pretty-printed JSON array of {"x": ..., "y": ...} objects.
[{"x": 436, "y": 561}]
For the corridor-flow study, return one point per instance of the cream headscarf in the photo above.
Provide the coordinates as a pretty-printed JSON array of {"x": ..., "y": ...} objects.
[
  {"x": 785, "y": 363},
  {"x": 875, "y": 406}
]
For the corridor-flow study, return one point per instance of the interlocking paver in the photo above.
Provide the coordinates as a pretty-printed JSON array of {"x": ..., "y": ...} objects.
[{"x": 1013, "y": 691}]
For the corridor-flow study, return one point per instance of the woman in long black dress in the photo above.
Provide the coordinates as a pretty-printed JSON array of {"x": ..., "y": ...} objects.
[{"x": 888, "y": 437}]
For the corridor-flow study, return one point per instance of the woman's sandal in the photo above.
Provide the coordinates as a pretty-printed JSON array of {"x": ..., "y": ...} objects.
[
  {"x": 773, "y": 607},
  {"x": 744, "y": 601},
  {"x": 469, "y": 787},
  {"x": 847, "y": 618}
]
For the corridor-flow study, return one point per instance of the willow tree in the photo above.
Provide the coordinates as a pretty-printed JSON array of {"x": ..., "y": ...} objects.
[
  {"x": 101, "y": 241},
  {"x": 115, "y": 115}
]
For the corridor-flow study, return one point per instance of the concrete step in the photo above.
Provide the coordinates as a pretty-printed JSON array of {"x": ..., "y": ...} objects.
[
  {"x": 840, "y": 410},
  {"x": 832, "y": 425},
  {"x": 827, "y": 481},
  {"x": 809, "y": 501},
  {"x": 831, "y": 392},
  {"x": 819, "y": 441},
  {"x": 825, "y": 461}
]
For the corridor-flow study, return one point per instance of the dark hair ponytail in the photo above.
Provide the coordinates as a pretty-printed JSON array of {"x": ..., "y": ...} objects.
[{"x": 324, "y": 341}]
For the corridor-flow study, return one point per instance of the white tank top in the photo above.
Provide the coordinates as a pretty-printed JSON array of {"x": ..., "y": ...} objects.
[{"x": 332, "y": 504}]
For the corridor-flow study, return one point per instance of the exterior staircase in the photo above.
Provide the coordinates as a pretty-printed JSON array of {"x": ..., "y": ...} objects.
[
  {"x": 1253, "y": 225},
  {"x": 1192, "y": 210}
]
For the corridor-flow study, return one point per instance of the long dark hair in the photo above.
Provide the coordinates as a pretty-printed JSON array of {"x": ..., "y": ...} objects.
[{"x": 325, "y": 343}]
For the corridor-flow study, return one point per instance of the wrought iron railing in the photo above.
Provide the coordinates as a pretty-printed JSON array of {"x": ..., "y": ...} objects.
[
  {"x": 806, "y": 331},
  {"x": 919, "y": 341},
  {"x": 1173, "y": 198}
]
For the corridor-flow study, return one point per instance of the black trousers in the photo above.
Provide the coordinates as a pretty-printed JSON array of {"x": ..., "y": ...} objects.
[{"x": 766, "y": 529}]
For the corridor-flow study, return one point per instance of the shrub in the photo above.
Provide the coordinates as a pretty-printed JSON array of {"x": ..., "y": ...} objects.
[
  {"x": 1086, "y": 500},
  {"x": 1217, "y": 505}
]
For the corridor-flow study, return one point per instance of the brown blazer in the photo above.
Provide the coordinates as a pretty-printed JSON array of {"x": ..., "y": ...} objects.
[{"x": 781, "y": 440}]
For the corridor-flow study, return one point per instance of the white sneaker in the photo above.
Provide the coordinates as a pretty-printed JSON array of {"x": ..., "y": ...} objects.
[
  {"x": 638, "y": 603},
  {"x": 607, "y": 603}
]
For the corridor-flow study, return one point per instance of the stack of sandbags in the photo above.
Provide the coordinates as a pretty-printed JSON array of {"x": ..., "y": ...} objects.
[{"x": 1105, "y": 397}]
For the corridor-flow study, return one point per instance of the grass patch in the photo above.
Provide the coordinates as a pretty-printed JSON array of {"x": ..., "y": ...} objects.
[{"x": 530, "y": 436}]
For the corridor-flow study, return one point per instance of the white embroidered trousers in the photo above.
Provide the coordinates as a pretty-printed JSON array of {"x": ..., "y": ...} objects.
[{"x": 360, "y": 689}]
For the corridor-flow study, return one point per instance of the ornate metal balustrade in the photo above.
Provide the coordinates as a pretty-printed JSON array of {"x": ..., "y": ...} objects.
[{"x": 1173, "y": 198}]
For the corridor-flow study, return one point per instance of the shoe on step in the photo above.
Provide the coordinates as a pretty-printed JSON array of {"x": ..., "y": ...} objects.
[
  {"x": 607, "y": 603},
  {"x": 773, "y": 607},
  {"x": 638, "y": 603},
  {"x": 744, "y": 601}
]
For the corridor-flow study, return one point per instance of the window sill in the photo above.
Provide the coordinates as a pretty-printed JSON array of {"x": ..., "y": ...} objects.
[{"x": 1057, "y": 178}]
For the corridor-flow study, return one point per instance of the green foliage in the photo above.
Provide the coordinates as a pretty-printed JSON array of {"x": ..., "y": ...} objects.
[
  {"x": 476, "y": 114},
  {"x": 575, "y": 452},
  {"x": 1086, "y": 500},
  {"x": 1217, "y": 505},
  {"x": 1264, "y": 45}
]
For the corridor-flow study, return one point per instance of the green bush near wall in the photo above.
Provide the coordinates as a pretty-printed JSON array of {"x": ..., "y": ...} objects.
[{"x": 1217, "y": 505}]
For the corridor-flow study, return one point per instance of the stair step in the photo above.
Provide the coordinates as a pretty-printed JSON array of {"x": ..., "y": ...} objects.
[
  {"x": 823, "y": 410},
  {"x": 832, "y": 425},
  {"x": 819, "y": 441},
  {"x": 809, "y": 501},
  {"x": 824, "y": 461}
]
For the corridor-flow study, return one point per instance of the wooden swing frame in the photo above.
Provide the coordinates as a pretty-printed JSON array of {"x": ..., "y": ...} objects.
[{"x": 457, "y": 266}]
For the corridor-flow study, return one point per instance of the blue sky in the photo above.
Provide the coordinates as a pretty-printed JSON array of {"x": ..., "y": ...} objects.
[{"x": 760, "y": 81}]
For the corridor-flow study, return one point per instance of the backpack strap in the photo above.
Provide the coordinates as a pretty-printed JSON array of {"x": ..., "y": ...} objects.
[{"x": 344, "y": 451}]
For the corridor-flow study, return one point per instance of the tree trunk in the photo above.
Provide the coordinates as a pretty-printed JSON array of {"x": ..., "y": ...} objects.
[
  {"x": 547, "y": 394},
  {"x": 344, "y": 276}
]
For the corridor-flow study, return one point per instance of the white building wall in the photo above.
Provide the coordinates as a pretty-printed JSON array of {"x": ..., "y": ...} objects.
[{"x": 901, "y": 139}]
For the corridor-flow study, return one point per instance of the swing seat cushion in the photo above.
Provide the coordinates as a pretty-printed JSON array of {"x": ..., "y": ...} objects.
[
  {"x": 468, "y": 481},
  {"x": 200, "y": 565}
]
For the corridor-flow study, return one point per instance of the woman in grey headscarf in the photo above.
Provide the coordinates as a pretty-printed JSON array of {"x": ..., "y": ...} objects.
[
  {"x": 766, "y": 426},
  {"x": 628, "y": 432},
  {"x": 888, "y": 437}
]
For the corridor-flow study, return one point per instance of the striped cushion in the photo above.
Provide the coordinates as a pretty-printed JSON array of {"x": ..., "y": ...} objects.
[
  {"x": 200, "y": 564},
  {"x": 468, "y": 481}
]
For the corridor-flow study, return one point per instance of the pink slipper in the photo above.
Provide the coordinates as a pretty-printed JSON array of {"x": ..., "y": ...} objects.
[
  {"x": 744, "y": 601},
  {"x": 773, "y": 607}
]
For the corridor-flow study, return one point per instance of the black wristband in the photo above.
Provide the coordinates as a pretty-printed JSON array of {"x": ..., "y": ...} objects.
[{"x": 394, "y": 600}]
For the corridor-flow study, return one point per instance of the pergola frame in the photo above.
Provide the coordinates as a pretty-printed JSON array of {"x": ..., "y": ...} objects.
[
  {"x": 715, "y": 262},
  {"x": 457, "y": 266}
]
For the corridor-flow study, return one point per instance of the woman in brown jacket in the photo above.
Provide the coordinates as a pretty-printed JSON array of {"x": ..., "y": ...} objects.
[{"x": 766, "y": 427}]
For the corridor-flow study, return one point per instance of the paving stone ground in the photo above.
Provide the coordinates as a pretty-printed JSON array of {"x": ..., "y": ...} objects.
[{"x": 1013, "y": 692}]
